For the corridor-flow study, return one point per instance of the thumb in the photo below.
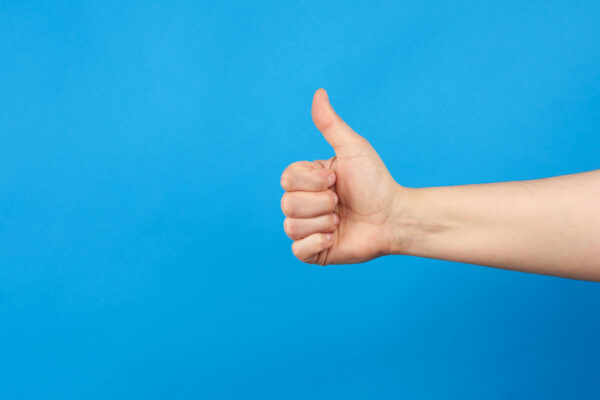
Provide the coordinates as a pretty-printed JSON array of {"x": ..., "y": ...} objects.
[{"x": 333, "y": 128}]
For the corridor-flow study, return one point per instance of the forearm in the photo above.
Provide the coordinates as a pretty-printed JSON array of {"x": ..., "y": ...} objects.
[{"x": 548, "y": 226}]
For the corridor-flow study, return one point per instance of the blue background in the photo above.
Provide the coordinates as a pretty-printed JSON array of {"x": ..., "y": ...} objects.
[{"x": 141, "y": 245}]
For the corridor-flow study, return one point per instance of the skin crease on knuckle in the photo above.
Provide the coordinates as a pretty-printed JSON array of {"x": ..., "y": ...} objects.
[
  {"x": 324, "y": 178},
  {"x": 286, "y": 204},
  {"x": 318, "y": 244},
  {"x": 287, "y": 177},
  {"x": 334, "y": 198},
  {"x": 289, "y": 228},
  {"x": 296, "y": 174},
  {"x": 285, "y": 181},
  {"x": 297, "y": 229},
  {"x": 323, "y": 202},
  {"x": 333, "y": 222},
  {"x": 296, "y": 252}
]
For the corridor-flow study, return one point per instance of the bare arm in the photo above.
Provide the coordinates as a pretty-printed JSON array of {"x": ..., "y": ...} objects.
[
  {"x": 547, "y": 226},
  {"x": 349, "y": 209}
]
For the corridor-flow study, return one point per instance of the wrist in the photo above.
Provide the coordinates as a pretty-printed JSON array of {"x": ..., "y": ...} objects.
[{"x": 415, "y": 219}]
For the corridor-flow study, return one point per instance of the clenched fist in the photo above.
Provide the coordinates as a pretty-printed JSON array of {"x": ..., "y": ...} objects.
[{"x": 340, "y": 210}]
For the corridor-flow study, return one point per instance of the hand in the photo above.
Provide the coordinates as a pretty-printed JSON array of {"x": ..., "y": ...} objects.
[
  {"x": 339, "y": 211},
  {"x": 349, "y": 209}
]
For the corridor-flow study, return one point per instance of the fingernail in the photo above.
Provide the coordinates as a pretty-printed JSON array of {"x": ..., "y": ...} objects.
[
  {"x": 335, "y": 196},
  {"x": 331, "y": 180},
  {"x": 336, "y": 219},
  {"x": 329, "y": 237}
]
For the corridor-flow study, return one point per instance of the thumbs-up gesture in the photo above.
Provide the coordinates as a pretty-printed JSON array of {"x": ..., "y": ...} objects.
[{"x": 341, "y": 210}]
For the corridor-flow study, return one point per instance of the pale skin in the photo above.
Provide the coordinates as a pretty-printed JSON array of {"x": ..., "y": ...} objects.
[{"x": 349, "y": 209}]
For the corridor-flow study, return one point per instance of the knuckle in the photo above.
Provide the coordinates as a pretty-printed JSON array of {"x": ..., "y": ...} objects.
[
  {"x": 331, "y": 221},
  {"x": 299, "y": 254},
  {"x": 298, "y": 164},
  {"x": 296, "y": 251},
  {"x": 287, "y": 204},
  {"x": 322, "y": 241},
  {"x": 289, "y": 227},
  {"x": 333, "y": 199},
  {"x": 287, "y": 178},
  {"x": 291, "y": 173},
  {"x": 324, "y": 179},
  {"x": 285, "y": 181}
]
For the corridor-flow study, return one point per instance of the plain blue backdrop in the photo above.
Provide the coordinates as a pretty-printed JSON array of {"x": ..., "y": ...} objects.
[{"x": 141, "y": 245}]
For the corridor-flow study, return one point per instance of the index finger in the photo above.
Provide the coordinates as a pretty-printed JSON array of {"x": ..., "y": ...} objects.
[{"x": 303, "y": 176}]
